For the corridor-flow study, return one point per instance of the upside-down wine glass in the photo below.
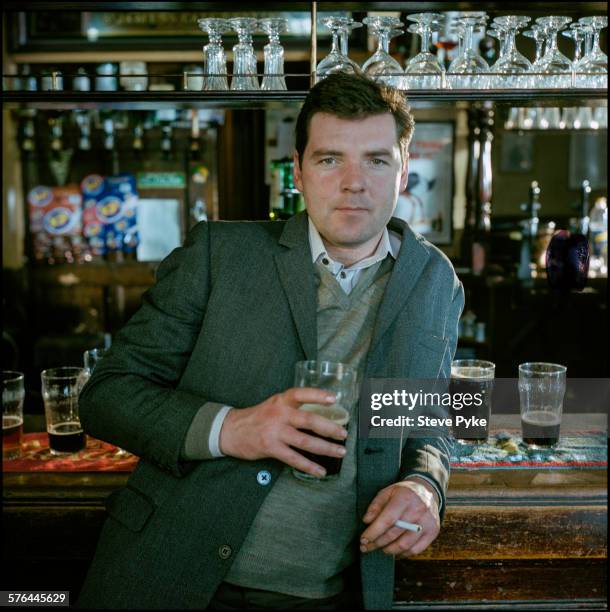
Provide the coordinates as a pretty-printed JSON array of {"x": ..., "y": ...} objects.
[
  {"x": 336, "y": 61},
  {"x": 594, "y": 65},
  {"x": 244, "y": 59},
  {"x": 273, "y": 78},
  {"x": 512, "y": 68},
  {"x": 536, "y": 33},
  {"x": 344, "y": 31},
  {"x": 576, "y": 33},
  {"x": 555, "y": 69},
  {"x": 469, "y": 70},
  {"x": 424, "y": 71},
  {"x": 381, "y": 66},
  {"x": 214, "y": 55}
]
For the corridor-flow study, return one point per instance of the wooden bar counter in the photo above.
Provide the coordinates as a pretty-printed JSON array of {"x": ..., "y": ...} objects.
[{"x": 528, "y": 538}]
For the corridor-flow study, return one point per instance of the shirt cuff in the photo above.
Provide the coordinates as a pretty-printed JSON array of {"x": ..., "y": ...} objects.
[
  {"x": 214, "y": 439},
  {"x": 196, "y": 446},
  {"x": 430, "y": 481}
]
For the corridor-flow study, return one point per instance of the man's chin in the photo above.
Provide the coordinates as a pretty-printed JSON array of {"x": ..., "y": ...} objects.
[{"x": 349, "y": 239}]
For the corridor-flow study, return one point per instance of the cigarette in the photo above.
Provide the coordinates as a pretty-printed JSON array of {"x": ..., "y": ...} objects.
[{"x": 410, "y": 526}]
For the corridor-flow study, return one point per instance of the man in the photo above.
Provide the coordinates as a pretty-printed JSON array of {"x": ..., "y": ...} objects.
[{"x": 199, "y": 385}]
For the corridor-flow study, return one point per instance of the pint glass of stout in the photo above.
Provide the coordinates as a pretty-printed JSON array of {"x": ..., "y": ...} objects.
[
  {"x": 541, "y": 390},
  {"x": 471, "y": 389},
  {"x": 339, "y": 378},
  {"x": 13, "y": 394},
  {"x": 60, "y": 389}
]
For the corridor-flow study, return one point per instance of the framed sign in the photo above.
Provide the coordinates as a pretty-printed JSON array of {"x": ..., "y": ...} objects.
[{"x": 426, "y": 203}]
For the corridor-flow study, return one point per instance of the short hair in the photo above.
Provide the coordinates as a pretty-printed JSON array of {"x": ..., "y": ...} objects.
[{"x": 354, "y": 96}]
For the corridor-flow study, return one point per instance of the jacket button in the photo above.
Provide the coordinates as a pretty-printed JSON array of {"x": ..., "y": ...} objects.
[
  {"x": 263, "y": 478},
  {"x": 225, "y": 551}
]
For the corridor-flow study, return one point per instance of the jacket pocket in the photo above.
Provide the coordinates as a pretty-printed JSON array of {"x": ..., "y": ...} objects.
[{"x": 130, "y": 508}]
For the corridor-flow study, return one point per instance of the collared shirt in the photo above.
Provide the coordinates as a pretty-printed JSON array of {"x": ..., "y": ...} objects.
[{"x": 347, "y": 277}]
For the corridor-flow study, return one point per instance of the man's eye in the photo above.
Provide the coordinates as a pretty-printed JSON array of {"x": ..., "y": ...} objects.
[
  {"x": 376, "y": 161},
  {"x": 327, "y": 161}
]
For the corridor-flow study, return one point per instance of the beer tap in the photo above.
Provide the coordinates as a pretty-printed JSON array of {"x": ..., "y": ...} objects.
[
  {"x": 108, "y": 127},
  {"x": 83, "y": 120},
  {"x": 166, "y": 139},
  {"x": 484, "y": 187},
  {"x": 138, "y": 137},
  {"x": 528, "y": 234},
  {"x": 56, "y": 130},
  {"x": 28, "y": 129}
]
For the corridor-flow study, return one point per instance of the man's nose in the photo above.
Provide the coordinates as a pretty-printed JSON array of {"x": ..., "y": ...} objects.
[{"x": 353, "y": 178}]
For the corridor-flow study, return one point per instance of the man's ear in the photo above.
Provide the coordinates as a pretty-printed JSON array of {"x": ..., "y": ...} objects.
[
  {"x": 296, "y": 171},
  {"x": 404, "y": 174}
]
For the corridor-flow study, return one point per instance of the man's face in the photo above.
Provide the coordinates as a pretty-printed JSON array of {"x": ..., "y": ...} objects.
[{"x": 350, "y": 176}]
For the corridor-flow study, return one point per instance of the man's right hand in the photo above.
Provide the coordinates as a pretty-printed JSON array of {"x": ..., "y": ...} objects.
[{"x": 271, "y": 429}]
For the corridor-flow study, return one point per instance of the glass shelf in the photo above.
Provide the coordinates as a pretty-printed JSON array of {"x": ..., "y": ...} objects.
[{"x": 142, "y": 100}]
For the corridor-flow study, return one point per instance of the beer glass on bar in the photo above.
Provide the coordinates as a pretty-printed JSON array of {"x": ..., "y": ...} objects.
[
  {"x": 13, "y": 394},
  {"x": 60, "y": 389},
  {"x": 340, "y": 379},
  {"x": 471, "y": 386},
  {"x": 541, "y": 390}
]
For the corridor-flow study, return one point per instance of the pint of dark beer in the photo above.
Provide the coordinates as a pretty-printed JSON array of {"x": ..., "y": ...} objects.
[
  {"x": 471, "y": 389},
  {"x": 340, "y": 379},
  {"x": 337, "y": 414},
  {"x": 541, "y": 390},
  {"x": 60, "y": 389}
]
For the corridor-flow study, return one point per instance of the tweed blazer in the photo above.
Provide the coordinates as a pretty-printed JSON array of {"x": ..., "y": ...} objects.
[{"x": 230, "y": 314}]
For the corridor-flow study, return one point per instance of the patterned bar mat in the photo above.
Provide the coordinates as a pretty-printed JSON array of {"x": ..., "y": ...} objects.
[
  {"x": 506, "y": 449},
  {"x": 503, "y": 450},
  {"x": 98, "y": 456}
]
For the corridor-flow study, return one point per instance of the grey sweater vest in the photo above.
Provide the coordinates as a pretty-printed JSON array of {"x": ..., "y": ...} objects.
[{"x": 305, "y": 533}]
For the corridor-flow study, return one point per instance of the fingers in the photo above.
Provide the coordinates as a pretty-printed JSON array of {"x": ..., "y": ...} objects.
[
  {"x": 398, "y": 503},
  {"x": 377, "y": 505},
  {"x": 290, "y": 457},
  {"x": 405, "y": 549},
  {"x": 402, "y": 543},
  {"x": 302, "y": 441},
  {"x": 393, "y": 505},
  {"x": 296, "y": 396},
  {"x": 316, "y": 423}
]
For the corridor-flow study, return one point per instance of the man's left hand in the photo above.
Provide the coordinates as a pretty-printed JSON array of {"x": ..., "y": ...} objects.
[{"x": 407, "y": 500}]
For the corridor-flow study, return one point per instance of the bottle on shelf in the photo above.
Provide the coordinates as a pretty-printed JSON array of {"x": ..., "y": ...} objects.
[{"x": 285, "y": 199}]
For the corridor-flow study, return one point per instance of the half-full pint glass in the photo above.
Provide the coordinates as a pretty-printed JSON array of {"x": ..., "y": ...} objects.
[
  {"x": 60, "y": 389},
  {"x": 13, "y": 394},
  {"x": 339, "y": 378},
  {"x": 541, "y": 390}
]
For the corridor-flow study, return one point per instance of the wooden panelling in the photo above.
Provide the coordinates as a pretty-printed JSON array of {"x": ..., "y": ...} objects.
[
  {"x": 501, "y": 546},
  {"x": 509, "y": 581}
]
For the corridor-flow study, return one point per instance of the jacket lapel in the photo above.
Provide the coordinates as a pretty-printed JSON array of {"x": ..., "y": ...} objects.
[
  {"x": 296, "y": 273},
  {"x": 408, "y": 267}
]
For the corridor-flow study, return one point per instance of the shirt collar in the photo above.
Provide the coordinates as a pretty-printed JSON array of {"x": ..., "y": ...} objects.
[{"x": 388, "y": 245}]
